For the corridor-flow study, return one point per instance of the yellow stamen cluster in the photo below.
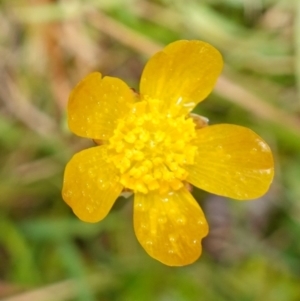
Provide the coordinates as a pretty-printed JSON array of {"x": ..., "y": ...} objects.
[{"x": 150, "y": 149}]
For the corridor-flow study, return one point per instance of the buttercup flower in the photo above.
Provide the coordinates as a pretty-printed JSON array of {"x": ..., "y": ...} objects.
[{"x": 150, "y": 144}]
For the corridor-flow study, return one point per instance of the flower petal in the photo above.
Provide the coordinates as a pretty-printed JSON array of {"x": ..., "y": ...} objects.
[
  {"x": 96, "y": 104},
  {"x": 232, "y": 161},
  {"x": 170, "y": 226},
  {"x": 91, "y": 184},
  {"x": 183, "y": 74}
]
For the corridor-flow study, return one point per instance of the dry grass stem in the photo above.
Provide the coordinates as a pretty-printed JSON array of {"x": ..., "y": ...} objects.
[
  {"x": 124, "y": 34},
  {"x": 242, "y": 97},
  {"x": 22, "y": 109},
  {"x": 64, "y": 290}
]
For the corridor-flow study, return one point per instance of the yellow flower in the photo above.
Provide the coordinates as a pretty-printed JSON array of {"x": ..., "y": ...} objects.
[{"x": 151, "y": 145}]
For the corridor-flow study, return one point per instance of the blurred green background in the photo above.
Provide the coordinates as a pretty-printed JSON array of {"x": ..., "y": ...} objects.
[{"x": 46, "y": 47}]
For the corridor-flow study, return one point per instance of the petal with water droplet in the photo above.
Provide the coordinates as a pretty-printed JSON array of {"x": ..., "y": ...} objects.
[
  {"x": 96, "y": 104},
  {"x": 182, "y": 74},
  {"x": 170, "y": 227},
  {"x": 91, "y": 185},
  {"x": 231, "y": 161}
]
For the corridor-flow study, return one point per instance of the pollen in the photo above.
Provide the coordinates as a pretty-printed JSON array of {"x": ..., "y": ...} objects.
[{"x": 151, "y": 150}]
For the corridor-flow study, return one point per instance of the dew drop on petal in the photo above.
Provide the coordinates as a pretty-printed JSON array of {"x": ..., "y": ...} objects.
[
  {"x": 68, "y": 193},
  {"x": 172, "y": 238},
  {"x": 165, "y": 199},
  {"x": 143, "y": 226},
  {"x": 153, "y": 232},
  {"x": 181, "y": 220},
  {"x": 138, "y": 206},
  {"x": 104, "y": 185},
  {"x": 92, "y": 173},
  {"x": 242, "y": 179},
  {"x": 89, "y": 209},
  {"x": 253, "y": 150},
  {"x": 162, "y": 220}
]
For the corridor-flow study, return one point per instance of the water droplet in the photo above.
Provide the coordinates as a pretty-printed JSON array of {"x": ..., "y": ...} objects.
[
  {"x": 171, "y": 251},
  {"x": 68, "y": 193},
  {"x": 172, "y": 238},
  {"x": 139, "y": 207},
  {"x": 165, "y": 199},
  {"x": 253, "y": 150},
  {"x": 162, "y": 220},
  {"x": 153, "y": 232},
  {"x": 181, "y": 220},
  {"x": 103, "y": 184},
  {"x": 89, "y": 209},
  {"x": 149, "y": 242},
  {"x": 242, "y": 179},
  {"x": 92, "y": 173}
]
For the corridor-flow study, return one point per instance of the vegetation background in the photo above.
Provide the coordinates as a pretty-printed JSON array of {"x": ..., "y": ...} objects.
[{"x": 46, "y": 47}]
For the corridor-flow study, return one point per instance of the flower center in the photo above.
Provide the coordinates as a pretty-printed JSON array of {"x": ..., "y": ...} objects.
[{"x": 151, "y": 149}]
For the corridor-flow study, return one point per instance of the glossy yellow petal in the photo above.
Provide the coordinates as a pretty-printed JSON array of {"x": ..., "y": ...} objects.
[
  {"x": 170, "y": 227},
  {"x": 95, "y": 105},
  {"x": 182, "y": 74},
  {"x": 231, "y": 161},
  {"x": 91, "y": 184}
]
